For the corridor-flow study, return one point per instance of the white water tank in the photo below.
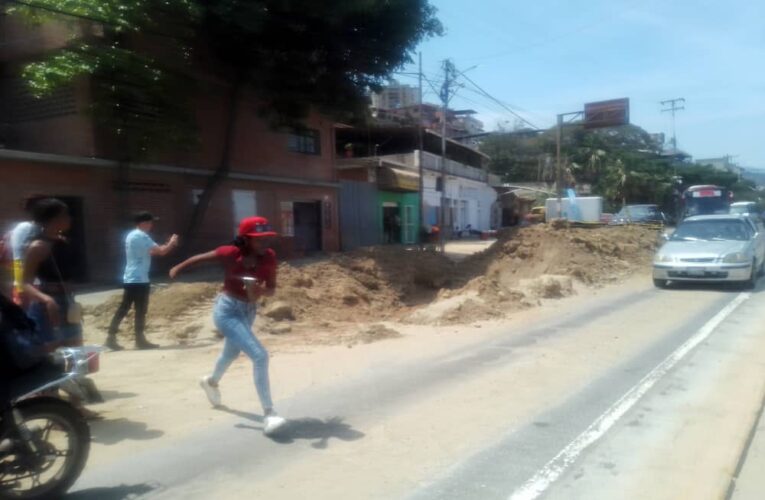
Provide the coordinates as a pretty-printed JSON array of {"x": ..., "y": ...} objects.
[{"x": 588, "y": 209}]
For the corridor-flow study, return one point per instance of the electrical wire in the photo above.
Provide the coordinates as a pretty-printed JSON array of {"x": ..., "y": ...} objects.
[{"x": 489, "y": 96}]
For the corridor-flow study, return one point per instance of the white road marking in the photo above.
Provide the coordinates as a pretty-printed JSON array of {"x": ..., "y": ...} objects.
[{"x": 548, "y": 474}]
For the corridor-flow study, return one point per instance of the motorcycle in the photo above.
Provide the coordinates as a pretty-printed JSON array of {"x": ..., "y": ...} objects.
[{"x": 45, "y": 440}]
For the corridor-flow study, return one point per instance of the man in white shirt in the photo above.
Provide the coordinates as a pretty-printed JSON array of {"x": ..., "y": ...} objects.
[{"x": 139, "y": 249}]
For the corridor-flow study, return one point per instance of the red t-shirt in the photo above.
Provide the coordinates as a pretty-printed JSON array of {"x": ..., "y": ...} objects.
[{"x": 264, "y": 270}]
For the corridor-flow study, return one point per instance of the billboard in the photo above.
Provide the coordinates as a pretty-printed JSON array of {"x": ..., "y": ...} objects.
[{"x": 607, "y": 113}]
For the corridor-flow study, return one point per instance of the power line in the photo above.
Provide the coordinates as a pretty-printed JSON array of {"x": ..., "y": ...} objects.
[
  {"x": 518, "y": 108},
  {"x": 489, "y": 96}
]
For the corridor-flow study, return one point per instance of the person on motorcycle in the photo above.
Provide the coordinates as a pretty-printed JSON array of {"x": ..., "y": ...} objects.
[
  {"x": 48, "y": 260},
  {"x": 250, "y": 274},
  {"x": 44, "y": 440}
]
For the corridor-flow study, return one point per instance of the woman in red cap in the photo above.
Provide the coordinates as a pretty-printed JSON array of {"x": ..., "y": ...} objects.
[{"x": 250, "y": 273}]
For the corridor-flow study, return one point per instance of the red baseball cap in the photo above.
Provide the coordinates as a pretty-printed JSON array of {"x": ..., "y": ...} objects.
[{"x": 256, "y": 227}]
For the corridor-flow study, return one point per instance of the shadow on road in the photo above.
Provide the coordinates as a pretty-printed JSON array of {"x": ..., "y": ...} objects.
[
  {"x": 708, "y": 287},
  {"x": 122, "y": 492},
  {"x": 109, "y": 432},
  {"x": 241, "y": 414},
  {"x": 309, "y": 429},
  {"x": 110, "y": 395}
]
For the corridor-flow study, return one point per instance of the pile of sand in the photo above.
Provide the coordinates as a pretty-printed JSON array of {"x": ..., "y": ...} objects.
[
  {"x": 177, "y": 312},
  {"x": 365, "y": 285},
  {"x": 346, "y": 289},
  {"x": 591, "y": 255},
  {"x": 527, "y": 265},
  {"x": 333, "y": 296}
]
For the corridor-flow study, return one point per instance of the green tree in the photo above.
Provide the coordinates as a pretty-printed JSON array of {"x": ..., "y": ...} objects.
[{"x": 295, "y": 55}]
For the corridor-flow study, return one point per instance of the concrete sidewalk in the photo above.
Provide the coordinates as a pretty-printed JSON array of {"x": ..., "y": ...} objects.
[{"x": 750, "y": 482}]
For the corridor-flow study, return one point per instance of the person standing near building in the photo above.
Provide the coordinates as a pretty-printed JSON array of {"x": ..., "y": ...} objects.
[
  {"x": 250, "y": 273},
  {"x": 139, "y": 249}
]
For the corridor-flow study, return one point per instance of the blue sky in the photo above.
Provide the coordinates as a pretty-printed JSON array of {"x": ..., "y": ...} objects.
[{"x": 544, "y": 57}]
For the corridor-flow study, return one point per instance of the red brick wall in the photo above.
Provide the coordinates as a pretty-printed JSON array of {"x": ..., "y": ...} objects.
[
  {"x": 355, "y": 174},
  {"x": 172, "y": 202},
  {"x": 258, "y": 148},
  {"x": 37, "y": 39}
]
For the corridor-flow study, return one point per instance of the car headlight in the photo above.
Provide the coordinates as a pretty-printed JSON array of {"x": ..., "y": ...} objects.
[
  {"x": 663, "y": 258},
  {"x": 736, "y": 258}
]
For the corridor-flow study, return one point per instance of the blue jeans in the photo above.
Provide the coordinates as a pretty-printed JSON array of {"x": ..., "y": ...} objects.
[
  {"x": 234, "y": 319},
  {"x": 65, "y": 332}
]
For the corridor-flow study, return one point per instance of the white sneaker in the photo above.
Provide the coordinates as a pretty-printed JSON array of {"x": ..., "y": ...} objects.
[
  {"x": 213, "y": 393},
  {"x": 273, "y": 423}
]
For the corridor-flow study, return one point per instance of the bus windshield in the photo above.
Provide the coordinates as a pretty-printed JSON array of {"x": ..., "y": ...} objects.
[{"x": 700, "y": 203}]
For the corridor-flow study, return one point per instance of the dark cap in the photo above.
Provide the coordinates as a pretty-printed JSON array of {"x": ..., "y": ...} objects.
[{"x": 144, "y": 216}]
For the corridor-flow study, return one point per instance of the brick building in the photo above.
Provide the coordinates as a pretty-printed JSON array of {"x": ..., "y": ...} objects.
[{"x": 53, "y": 146}]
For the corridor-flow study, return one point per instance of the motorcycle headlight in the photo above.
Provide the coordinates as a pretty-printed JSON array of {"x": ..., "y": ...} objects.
[
  {"x": 736, "y": 258},
  {"x": 664, "y": 258}
]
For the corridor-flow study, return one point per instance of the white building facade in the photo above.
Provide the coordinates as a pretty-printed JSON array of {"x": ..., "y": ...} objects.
[{"x": 470, "y": 199}]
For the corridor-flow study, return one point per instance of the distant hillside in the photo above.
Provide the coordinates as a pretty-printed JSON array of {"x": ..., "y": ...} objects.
[{"x": 758, "y": 176}]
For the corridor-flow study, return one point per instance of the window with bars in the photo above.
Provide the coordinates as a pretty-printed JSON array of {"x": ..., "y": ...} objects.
[{"x": 306, "y": 141}]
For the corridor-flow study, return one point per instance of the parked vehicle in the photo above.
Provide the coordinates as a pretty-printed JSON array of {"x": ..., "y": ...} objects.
[
  {"x": 639, "y": 214},
  {"x": 750, "y": 209},
  {"x": 536, "y": 215},
  {"x": 705, "y": 200},
  {"x": 714, "y": 248},
  {"x": 744, "y": 207}
]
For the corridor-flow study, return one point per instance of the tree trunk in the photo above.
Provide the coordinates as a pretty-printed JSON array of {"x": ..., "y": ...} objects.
[{"x": 221, "y": 172}]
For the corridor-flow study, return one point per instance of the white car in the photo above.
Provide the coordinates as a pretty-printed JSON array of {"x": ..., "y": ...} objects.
[{"x": 714, "y": 248}]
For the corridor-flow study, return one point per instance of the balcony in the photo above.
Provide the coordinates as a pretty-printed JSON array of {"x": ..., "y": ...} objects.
[
  {"x": 433, "y": 163},
  {"x": 409, "y": 161}
]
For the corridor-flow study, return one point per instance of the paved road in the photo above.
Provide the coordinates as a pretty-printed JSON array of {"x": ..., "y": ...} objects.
[{"x": 642, "y": 394}]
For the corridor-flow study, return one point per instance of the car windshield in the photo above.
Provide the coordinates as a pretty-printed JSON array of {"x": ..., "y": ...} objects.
[
  {"x": 706, "y": 206},
  {"x": 712, "y": 230},
  {"x": 742, "y": 209}
]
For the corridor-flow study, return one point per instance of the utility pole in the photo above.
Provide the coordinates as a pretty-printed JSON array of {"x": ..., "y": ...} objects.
[
  {"x": 421, "y": 142},
  {"x": 558, "y": 160},
  {"x": 672, "y": 106},
  {"x": 446, "y": 95},
  {"x": 558, "y": 168}
]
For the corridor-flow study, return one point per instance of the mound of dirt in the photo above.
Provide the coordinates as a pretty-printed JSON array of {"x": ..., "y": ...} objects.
[
  {"x": 541, "y": 261},
  {"x": 177, "y": 312},
  {"x": 524, "y": 267},
  {"x": 365, "y": 285}
]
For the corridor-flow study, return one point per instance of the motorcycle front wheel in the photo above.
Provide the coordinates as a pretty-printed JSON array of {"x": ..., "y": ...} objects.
[{"x": 48, "y": 465}]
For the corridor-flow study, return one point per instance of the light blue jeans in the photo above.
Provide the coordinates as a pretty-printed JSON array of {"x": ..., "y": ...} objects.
[{"x": 234, "y": 319}]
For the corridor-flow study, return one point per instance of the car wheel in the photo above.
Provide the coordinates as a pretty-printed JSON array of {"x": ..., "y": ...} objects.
[{"x": 660, "y": 283}]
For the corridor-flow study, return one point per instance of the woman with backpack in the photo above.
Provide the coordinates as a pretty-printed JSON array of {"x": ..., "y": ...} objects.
[{"x": 250, "y": 274}]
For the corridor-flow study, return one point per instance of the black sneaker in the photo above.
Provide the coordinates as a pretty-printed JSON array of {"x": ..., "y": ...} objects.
[{"x": 112, "y": 344}]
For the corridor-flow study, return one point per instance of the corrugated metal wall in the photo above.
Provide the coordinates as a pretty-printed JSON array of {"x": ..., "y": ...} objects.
[{"x": 358, "y": 215}]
